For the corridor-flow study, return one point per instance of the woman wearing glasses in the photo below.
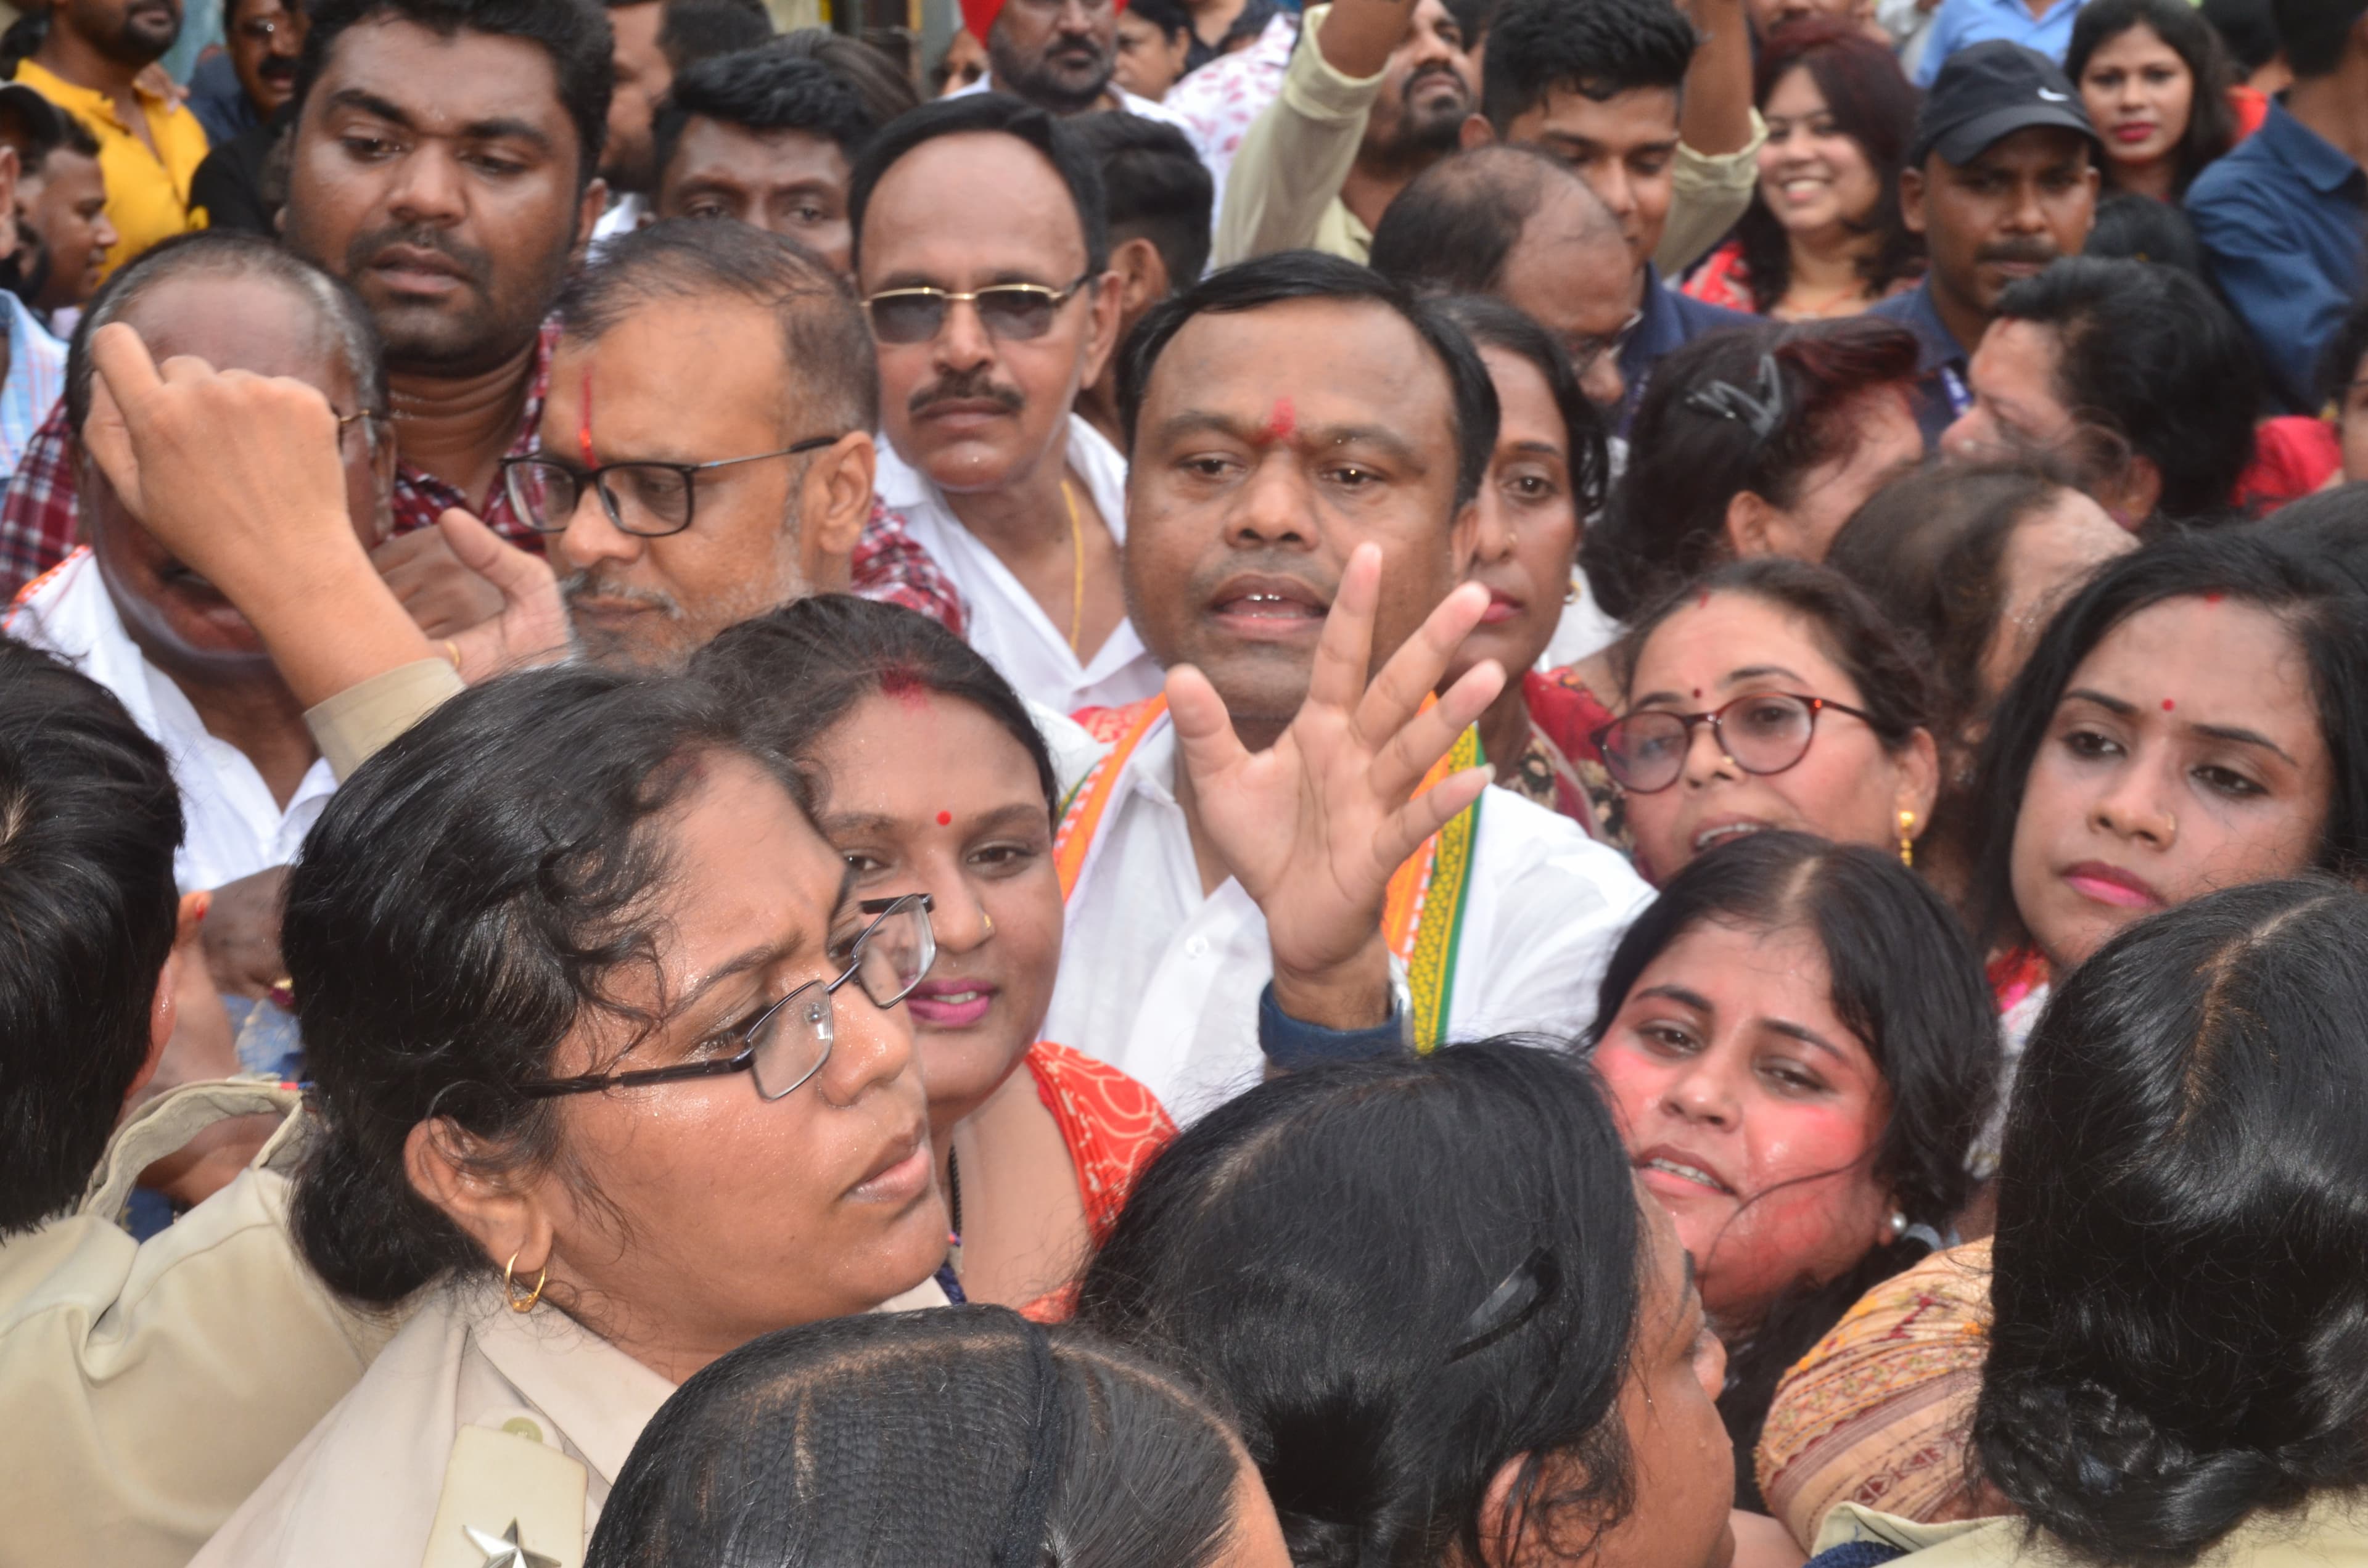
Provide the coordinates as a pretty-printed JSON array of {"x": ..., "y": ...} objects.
[
  {"x": 1768, "y": 693},
  {"x": 928, "y": 775},
  {"x": 612, "y": 1076}
]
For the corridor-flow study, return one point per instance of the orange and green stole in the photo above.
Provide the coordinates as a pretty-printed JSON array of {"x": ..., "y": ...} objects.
[{"x": 1422, "y": 916}]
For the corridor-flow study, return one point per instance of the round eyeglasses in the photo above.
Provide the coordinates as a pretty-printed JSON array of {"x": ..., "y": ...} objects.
[
  {"x": 1762, "y": 732},
  {"x": 650, "y": 500},
  {"x": 787, "y": 1043}
]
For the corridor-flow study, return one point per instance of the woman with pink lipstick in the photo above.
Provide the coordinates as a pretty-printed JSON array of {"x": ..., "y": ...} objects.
[
  {"x": 1545, "y": 478},
  {"x": 2197, "y": 718},
  {"x": 930, "y": 776},
  {"x": 1799, "y": 1050},
  {"x": 2155, "y": 78},
  {"x": 1822, "y": 236},
  {"x": 1768, "y": 693}
]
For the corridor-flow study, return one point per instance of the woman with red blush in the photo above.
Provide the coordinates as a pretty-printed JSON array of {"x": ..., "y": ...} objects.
[
  {"x": 928, "y": 773},
  {"x": 1800, "y": 1050},
  {"x": 2195, "y": 719}
]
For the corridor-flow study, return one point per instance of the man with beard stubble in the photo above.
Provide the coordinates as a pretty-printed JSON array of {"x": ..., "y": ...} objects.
[
  {"x": 445, "y": 172},
  {"x": 1377, "y": 92},
  {"x": 150, "y": 147},
  {"x": 1060, "y": 56},
  {"x": 2001, "y": 179}
]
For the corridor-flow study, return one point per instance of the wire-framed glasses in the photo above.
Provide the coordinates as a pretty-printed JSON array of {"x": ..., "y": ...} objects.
[
  {"x": 1763, "y": 732},
  {"x": 1010, "y": 312},
  {"x": 787, "y": 1042},
  {"x": 647, "y": 498}
]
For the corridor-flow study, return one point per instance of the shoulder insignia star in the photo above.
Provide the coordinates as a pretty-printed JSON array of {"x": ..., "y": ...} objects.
[{"x": 504, "y": 1551}]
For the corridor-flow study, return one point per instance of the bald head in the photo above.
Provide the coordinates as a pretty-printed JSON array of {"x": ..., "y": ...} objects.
[{"x": 1514, "y": 224}]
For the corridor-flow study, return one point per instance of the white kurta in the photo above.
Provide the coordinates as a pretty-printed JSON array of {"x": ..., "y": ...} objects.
[
  {"x": 1004, "y": 622},
  {"x": 1163, "y": 982},
  {"x": 236, "y": 828}
]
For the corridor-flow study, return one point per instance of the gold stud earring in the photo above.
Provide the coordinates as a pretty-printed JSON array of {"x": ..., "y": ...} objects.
[
  {"x": 1906, "y": 843},
  {"x": 509, "y": 1285}
]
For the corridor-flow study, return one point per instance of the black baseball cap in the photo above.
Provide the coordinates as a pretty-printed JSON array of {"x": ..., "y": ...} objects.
[{"x": 1985, "y": 91}]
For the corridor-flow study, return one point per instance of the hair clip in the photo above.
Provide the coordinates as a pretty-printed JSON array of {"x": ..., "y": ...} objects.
[
  {"x": 1514, "y": 1302},
  {"x": 1760, "y": 410}
]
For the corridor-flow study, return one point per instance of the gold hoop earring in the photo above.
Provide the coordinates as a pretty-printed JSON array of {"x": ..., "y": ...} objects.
[
  {"x": 1906, "y": 844},
  {"x": 509, "y": 1285}
]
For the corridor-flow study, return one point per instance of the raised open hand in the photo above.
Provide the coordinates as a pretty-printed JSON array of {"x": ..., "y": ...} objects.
[{"x": 1314, "y": 827}]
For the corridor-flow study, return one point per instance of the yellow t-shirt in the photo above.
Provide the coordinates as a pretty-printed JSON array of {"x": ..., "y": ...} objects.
[{"x": 147, "y": 193}]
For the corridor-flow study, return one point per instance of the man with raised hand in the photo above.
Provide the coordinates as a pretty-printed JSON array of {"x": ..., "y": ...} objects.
[{"x": 1307, "y": 442}]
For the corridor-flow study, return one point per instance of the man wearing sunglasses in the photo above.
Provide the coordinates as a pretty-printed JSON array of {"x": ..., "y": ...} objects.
[
  {"x": 981, "y": 256},
  {"x": 1307, "y": 442}
]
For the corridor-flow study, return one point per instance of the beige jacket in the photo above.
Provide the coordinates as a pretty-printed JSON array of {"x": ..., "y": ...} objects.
[
  {"x": 1284, "y": 193},
  {"x": 146, "y": 1388},
  {"x": 2331, "y": 1531},
  {"x": 475, "y": 1419}
]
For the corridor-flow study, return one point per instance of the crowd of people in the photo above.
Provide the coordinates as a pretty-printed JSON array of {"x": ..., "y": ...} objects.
[{"x": 1464, "y": 784}]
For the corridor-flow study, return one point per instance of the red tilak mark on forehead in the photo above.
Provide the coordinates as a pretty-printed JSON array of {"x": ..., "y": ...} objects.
[
  {"x": 1703, "y": 602},
  {"x": 584, "y": 424},
  {"x": 2167, "y": 704},
  {"x": 1280, "y": 423},
  {"x": 945, "y": 819},
  {"x": 904, "y": 685}
]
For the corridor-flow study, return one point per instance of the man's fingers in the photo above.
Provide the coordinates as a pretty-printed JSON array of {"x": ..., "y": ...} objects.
[
  {"x": 1401, "y": 833},
  {"x": 511, "y": 570},
  {"x": 123, "y": 364},
  {"x": 109, "y": 441},
  {"x": 1344, "y": 650},
  {"x": 1415, "y": 669},
  {"x": 1204, "y": 731},
  {"x": 1418, "y": 744}
]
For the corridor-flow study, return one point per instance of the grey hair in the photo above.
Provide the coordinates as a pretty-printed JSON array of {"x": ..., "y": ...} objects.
[
  {"x": 825, "y": 342},
  {"x": 339, "y": 311}
]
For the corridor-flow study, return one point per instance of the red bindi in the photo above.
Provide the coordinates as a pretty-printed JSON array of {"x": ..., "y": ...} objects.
[
  {"x": 584, "y": 424},
  {"x": 1696, "y": 694},
  {"x": 1280, "y": 423},
  {"x": 2167, "y": 704},
  {"x": 945, "y": 819},
  {"x": 2214, "y": 597}
]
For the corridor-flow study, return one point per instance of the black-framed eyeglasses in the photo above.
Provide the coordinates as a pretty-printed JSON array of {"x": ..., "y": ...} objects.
[
  {"x": 787, "y": 1042},
  {"x": 646, "y": 498},
  {"x": 1010, "y": 312},
  {"x": 1762, "y": 732},
  {"x": 1586, "y": 353}
]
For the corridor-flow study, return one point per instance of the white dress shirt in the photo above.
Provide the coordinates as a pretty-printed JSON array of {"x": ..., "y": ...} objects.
[
  {"x": 1004, "y": 622},
  {"x": 236, "y": 828},
  {"x": 1163, "y": 982}
]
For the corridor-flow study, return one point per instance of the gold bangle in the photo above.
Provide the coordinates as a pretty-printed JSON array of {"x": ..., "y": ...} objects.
[{"x": 452, "y": 652}]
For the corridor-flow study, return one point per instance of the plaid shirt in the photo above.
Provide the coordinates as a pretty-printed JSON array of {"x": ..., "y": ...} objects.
[{"x": 39, "y": 524}]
